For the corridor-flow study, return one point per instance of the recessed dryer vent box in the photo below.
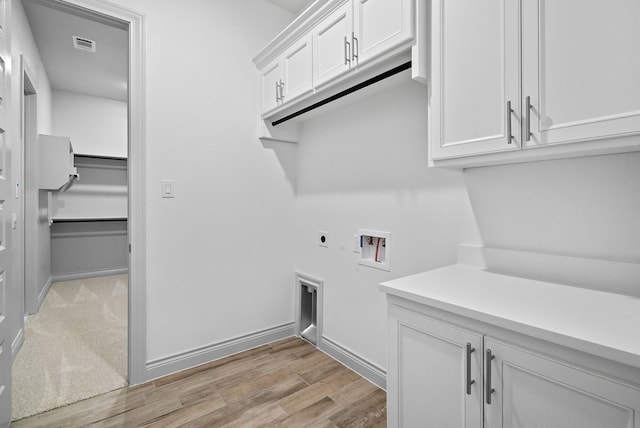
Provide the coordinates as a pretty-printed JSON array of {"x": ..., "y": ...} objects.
[{"x": 375, "y": 249}]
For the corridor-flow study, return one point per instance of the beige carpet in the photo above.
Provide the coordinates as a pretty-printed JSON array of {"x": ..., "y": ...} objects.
[{"x": 75, "y": 347}]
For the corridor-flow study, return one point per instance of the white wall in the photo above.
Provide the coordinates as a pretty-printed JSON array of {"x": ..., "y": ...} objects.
[
  {"x": 584, "y": 207},
  {"x": 22, "y": 43},
  {"x": 364, "y": 165},
  {"x": 220, "y": 253},
  {"x": 96, "y": 126}
]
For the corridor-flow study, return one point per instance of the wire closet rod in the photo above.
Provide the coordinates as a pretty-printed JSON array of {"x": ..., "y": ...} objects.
[
  {"x": 119, "y": 158},
  {"x": 368, "y": 82}
]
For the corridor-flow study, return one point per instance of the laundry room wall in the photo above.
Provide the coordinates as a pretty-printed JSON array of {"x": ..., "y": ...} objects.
[
  {"x": 219, "y": 254},
  {"x": 585, "y": 207},
  {"x": 363, "y": 165}
]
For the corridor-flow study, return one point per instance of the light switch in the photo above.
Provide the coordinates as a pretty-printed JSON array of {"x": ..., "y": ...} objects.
[{"x": 167, "y": 188}]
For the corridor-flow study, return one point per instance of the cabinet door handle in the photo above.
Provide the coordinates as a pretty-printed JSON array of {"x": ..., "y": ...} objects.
[
  {"x": 470, "y": 381},
  {"x": 509, "y": 111},
  {"x": 277, "y": 92},
  {"x": 527, "y": 123},
  {"x": 281, "y": 90},
  {"x": 355, "y": 46},
  {"x": 347, "y": 51},
  {"x": 487, "y": 371}
]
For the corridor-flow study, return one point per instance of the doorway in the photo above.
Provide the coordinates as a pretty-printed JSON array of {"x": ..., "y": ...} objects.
[{"x": 135, "y": 171}]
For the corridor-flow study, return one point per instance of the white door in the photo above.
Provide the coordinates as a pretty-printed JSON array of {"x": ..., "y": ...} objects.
[
  {"x": 532, "y": 391},
  {"x": 270, "y": 78},
  {"x": 475, "y": 75},
  {"x": 581, "y": 68},
  {"x": 5, "y": 197},
  {"x": 434, "y": 377},
  {"x": 332, "y": 45},
  {"x": 380, "y": 26},
  {"x": 297, "y": 70}
]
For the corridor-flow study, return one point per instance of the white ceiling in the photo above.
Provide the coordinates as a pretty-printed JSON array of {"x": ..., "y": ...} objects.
[
  {"x": 293, "y": 6},
  {"x": 101, "y": 74}
]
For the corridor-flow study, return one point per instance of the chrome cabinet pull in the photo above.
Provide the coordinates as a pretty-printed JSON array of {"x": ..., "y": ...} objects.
[
  {"x": 355, "y": 46},
  {"x": 277, "y": 92},
  {"x": 509, "y": 111},
  {"x": 487, "y": 371},
  {"x": 470, "y": 381},
  {"x": 347, "y": 52},
  {"x": 281, "y": 90},
  {"x": 527, "y": 123}
]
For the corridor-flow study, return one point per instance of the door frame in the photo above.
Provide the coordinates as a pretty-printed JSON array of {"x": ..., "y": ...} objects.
[
  {"x": 29, "y": 216},
  {"x": 134, "y": 22}
]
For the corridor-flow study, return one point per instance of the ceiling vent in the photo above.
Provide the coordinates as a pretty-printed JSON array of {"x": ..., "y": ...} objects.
[{"x": 84, "y": 44}]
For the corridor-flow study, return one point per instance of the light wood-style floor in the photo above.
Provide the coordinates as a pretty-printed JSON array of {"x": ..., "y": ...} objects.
[{"x": 286, "y": 383}]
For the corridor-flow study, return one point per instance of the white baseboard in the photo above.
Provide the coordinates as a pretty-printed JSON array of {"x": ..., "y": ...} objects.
[
  {"x": 359, "y": 365},
  {"x": 186, "y": 360},
  {"x": 90, "y": 274},
  {"x": 44, "y": 292},
  {"x": 607, "y": 275},
  {"x": 17, "y": 344}
]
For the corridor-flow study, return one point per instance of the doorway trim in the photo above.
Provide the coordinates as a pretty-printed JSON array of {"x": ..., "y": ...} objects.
[
  {"x": 135, "y": 24},
  {"x": 29, "y": 116}
]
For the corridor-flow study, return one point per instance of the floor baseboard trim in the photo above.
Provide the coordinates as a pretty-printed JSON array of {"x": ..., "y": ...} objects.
[
  {"x": 44, "y": 292},
  {"x": 359, "y": 365},
  {"x": 91, "y": 274},
  {"x": 17, "y": 344},
  {"x": 186, "y": 360}
]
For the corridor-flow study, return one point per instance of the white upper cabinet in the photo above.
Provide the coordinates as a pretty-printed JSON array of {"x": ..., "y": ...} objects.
[
  {"x": 332, "y": 45},
  {"x": 297, "y": 70},
  {"x": 379, "y": 26},
  {"x": 518, "y": 80},
  {"x": 288, "y": 76},
  {"x": 581, "y": 69},
  {"x": 475, "y": 53},
  {"x": 270, "y": 77}
]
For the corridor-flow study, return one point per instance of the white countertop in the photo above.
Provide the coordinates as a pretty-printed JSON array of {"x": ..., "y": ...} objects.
[{"x": 598, "y": 322}]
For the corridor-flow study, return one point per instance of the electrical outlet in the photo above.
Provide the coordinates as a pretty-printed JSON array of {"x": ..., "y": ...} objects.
[{"x": 323, "y": 239}]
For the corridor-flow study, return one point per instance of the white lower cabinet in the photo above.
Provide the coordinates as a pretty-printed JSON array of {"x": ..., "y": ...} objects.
[
  {"x": 442, "y": 375},
  {"x": 434, "y": 377},
  {"x": 531, "y": 390}
]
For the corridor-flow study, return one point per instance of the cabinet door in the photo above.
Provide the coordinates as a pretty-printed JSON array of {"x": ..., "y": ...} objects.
[
  {"x": 270, "y": 77},
  {"x": 581, "y": 68},
  {"x": 535, "y": 391},
  {"x": 332, "y": 45},
  {"x": 475, "y": 73},
  {"x": 427, "y": 374},
  {"x": 379, "y": 26},
  {"x": 297, "y": 70}
]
